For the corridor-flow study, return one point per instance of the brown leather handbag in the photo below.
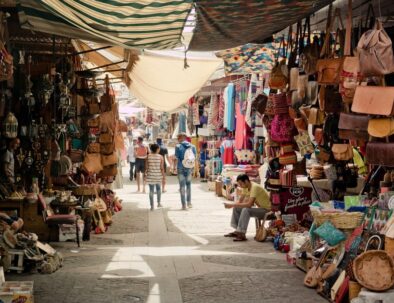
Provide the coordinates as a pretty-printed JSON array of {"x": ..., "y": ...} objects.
[
  {"x": 329, "y": 71},
  {"x": 92, "y": 163},
  {"x": 94, "y": 148},
  {"x": 259, "y": 103},
  {"x": 381, "y": 128},
  {"x": 106, "y": 149},
  {"x": 316, "y": 116},
  {"x": 109, "y": 171},
  {"x": 380, "y": 153},
  {"x": 330, "y": 100},
  {"x": 353, "y": 126},
  {"x": 374, "y": 100},
  {"x": 342, "y": 152},
  {"x": 108, "y": 160},
  {"x": 76, "y": 155},
  {"x": 278, "y": 79},
  {"x": 95, "y": 122},
  {"x": 106, "y": 138}
]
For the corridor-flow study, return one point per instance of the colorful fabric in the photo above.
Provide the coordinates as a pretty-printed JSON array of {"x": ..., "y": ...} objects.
[
  {"x": 240, "y": 131},
  {"x": 196, "y": 112},
  {"x": 230, "y": 107},
  {"x": 248, "y": 58},
  {"x": 229, "y": 23},
  {"x": 241, "y": 94},
  {"x": 148, "y": 24},
  {"x": 220, "y": 120}
]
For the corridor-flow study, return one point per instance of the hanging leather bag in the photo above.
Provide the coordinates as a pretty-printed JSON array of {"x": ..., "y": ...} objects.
[
  {"x": 379, "y": 153},
  {"x": 330, "y": 99},
  {"x": 375, "y": 52},
  {"x": 94, "y": 148},
  {"x": 342, "y": 152},
  {"x": 329, "y": 68},
  {"x": 92, "y": 163},
  {"x": 353, "y": 126},
  {"x": 282, "y": 128},
  {"x": 280, "y": 104},
  {"x": 279, "y": 74},
  {"x": 316, "y": 116},
  {"x": 381, "y": 128},
  {"x": 108, "y": 160},
  {"x": 374, "y": 100},
  {"x": 259, "y": 103},
  {"x": 107, "y": 149},
  {"x": 106, "y": 137}
]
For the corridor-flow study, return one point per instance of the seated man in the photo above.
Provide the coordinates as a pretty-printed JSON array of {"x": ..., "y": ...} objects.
[{"x": 252, "y": 193}]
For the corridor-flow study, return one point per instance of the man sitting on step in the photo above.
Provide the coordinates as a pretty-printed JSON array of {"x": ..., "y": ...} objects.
[{"x": 252, "y": 194}]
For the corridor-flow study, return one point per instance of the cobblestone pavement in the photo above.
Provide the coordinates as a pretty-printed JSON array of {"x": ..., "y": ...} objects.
[{"x": 171, "y": 256}]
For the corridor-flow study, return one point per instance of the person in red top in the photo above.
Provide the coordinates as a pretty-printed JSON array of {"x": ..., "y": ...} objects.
[{"x": 141, "y": 153}]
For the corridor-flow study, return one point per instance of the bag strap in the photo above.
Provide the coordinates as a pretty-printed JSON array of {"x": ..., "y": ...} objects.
[
  {"x": 370, "y": 17},
  {"x": 349, "y": 26},
  {"x": 325, "y": 48}
]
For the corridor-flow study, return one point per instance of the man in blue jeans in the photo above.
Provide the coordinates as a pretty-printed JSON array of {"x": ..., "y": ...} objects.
[{"x": 184, "y": 173}]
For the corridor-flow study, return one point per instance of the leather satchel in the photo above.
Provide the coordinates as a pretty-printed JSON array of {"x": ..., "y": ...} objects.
[
  {"x": 92, "y": 163},
  {"x": 95, "y": 122},
  {"x": 110, "y": 171},
  {"x": 350, "y": 78},
  {"x": 106, "y": 138},
  {"x": 380, "y": 153},
  {"x": 353, "y": 126},
  {"x": 330, "y": 100},
  {"x": 329, "y": 71},
  {"x": 374, "y": 100},
  {"x": 381, "y": 128},
  {"x": 94, "y": 148},
  {"x": 342, "y": 152},
  {"x": 108, "y": 160},
  {"x": 259, "y": 103},
  {"x": 278, "y": 78},
  {"x": 106, "y": 149},
  {"x": 375, "y": 52},
  {"x": 316, "y": 116}
]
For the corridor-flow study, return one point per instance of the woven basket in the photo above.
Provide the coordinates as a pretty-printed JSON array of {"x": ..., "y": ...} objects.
[
  {"x": 374, "y": 270},
  {"x": 339, "y": 220},
  {"x": 389, "y": 246},
  {"x": 354, "y": 289}
]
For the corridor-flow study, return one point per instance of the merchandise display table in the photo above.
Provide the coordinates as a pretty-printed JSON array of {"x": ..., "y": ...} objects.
[{"x": 327, "y": 184}]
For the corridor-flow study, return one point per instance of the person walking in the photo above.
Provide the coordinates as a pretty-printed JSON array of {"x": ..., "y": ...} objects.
[
  {"x": 154, "y": 174},
  {"x": 163, "y": 152},
  {"x": 141, "y": 153},
  {"x": 185, "y": 154},
  {"x": 131, "y": 158}
]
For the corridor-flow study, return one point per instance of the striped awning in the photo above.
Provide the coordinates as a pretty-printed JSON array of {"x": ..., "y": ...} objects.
[
  {"x": 151, "y": 24},
  {"x": 229, "y": 23}
]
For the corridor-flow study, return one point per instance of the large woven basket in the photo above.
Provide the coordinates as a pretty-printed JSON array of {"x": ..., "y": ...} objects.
[
  {"x": 339, "y": 220},
  {"x": 374, "y": 270}
]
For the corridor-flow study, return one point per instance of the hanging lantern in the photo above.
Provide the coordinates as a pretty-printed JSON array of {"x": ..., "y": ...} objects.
[{"x": 10, "y": 126}]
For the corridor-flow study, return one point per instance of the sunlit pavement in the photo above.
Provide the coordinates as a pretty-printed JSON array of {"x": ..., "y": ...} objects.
[{"x": 169, "y": 255}]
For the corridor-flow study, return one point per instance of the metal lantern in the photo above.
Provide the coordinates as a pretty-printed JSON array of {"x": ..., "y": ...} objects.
[{"x": 10, "y": 126}]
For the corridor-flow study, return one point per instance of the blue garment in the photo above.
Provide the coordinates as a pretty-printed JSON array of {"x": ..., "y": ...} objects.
[
  {"x": 152, "y": 193},
  {"x": 185, "y": 180},
  {"x": 182, "y": 122},
  {"x": 230, "y": 107},
  {"x": 180, "y": 150}
]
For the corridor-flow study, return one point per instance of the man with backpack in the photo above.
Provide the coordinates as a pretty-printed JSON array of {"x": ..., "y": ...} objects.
[
  {"x": 140, "y": 153},
  {"x": 185, "y": 153}
]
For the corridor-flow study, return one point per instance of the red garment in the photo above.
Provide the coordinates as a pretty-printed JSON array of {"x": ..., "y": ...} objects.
[
  {"x": 228, "y": 155},
  {"x": 240, "y": 130}
]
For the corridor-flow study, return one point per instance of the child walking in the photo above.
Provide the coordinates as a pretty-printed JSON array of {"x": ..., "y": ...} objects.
[{"x": 154, "y": 174}]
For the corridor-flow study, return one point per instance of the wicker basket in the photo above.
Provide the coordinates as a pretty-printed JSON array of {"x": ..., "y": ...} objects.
[
  {"x": 389, "y": 246},
  {"x": 339, "y": 220},
  {"x": 374, "y": 270}
]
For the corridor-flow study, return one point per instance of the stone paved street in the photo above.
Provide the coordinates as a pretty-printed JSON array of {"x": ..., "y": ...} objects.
[{"x": 171, "y": 256}]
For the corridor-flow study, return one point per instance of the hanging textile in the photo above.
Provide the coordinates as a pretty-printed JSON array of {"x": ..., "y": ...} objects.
[
  {"x": 248, "y": 58},
  {"x": 162, "y": 83},
  {"x": 190, "y": 124},
  {"x": 212, "y": 105},
  {"x": 228, "y": 23},
  {"x": 220, "y": 119},
  {"x": 148, "y": 24},
  {"x": 241, "y": 94},
  {"x": 227, "y": 151},
  {"x": 149, "y": 116},
  {"x": 230, "y": 107},
  {"x": 226, "y": 105},
  {"x": 215, "y": 111},
  {"x": 240, "y": 133},
  {"x": 196, "y": 112},
  {"x": 255, "y": 87},
  {"x": 182, "y": 123}
]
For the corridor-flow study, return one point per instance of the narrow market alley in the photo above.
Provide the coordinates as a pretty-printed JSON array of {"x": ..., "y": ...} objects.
[{"x": 171, "y": 256}]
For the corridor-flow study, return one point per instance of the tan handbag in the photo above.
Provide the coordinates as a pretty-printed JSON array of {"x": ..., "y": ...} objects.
[
  {"x": 107, "y": 149},
  {"x": 278, "y": 79},
  {"x": 109, "y": 171},
  {"x": 350, "y": 78},
  {"x": 381, "y": 128},
  {"x": 94, "y": 148},
  {"x": 106, "y": 138},
  {"x": 95, "y": 122},
  {"x": 374, "y": 100},
  {"x": 375, "y": 52},
  {"x": 294, "y": 74},
  {"x": 316, "y": 116},
  {"x": 342, "y": 152},
  {"x": 108, "y": 160},
  {"x": 92, "y": 163},
  {"x": 261, "y": 234}
]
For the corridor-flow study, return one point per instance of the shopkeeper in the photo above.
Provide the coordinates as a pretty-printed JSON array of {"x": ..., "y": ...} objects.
[
  {"x": 252, "y": 194},
  {"x": 8, "y": 162}
]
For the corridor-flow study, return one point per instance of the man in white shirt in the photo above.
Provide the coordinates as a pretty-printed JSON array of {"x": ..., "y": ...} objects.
[{"x": 131, "y": 158}]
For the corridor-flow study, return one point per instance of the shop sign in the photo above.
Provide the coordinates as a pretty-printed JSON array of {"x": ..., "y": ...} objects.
[{"x": 296, "y": 200}]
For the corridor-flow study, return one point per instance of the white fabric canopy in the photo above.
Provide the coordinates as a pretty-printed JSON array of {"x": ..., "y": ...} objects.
[{"x": 162, "y": 83}]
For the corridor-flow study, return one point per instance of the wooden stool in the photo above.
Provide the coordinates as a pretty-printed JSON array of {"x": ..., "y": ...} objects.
[{"x": 19, "y": 255}]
